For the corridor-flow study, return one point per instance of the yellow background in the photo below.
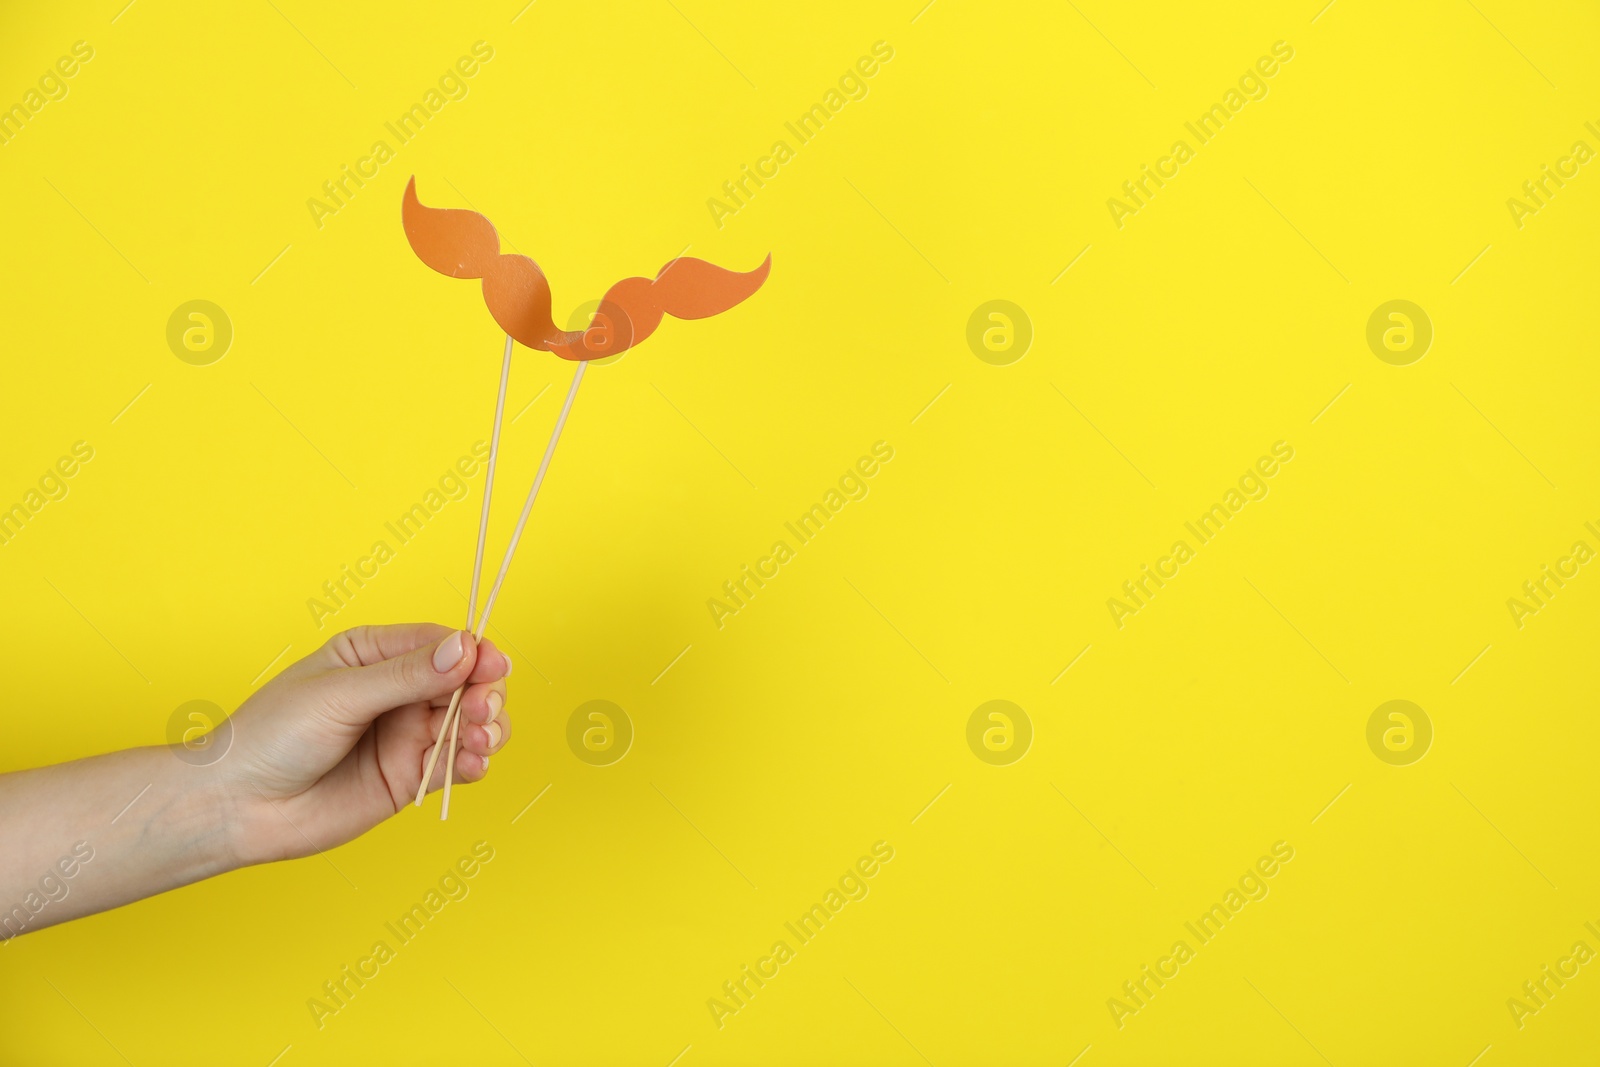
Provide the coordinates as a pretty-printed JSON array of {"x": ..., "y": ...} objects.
[{"x": 826, "y": 715}]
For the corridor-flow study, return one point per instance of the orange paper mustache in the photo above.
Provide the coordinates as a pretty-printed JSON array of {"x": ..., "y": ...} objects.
[{"x": 463, "y": 244}]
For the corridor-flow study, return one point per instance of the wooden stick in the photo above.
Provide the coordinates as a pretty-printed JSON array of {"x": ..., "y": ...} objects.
[
  {"x": 438, "y": 744},
  {"x": 527, "y": 505},
  {"x": 505, "y": 562},
  {"x": 488, "y": 479},
  {"x": 477, "y": 562},
  {"x": 450, "y": 764}
]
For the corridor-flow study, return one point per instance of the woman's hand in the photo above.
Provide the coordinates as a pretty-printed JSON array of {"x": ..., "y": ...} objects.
[
  {"x": 337, "y": 742},
  {"x": 322, "y": 753}
]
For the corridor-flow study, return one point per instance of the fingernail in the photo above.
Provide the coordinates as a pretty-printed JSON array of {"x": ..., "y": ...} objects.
[
  {"x": 508, "y": 666},
  {"x": 485, "y": 760},
  {"x": 449, "y": 652},
  {"x": 493, "y": 730},
  {"x": 495, "y": 702}
]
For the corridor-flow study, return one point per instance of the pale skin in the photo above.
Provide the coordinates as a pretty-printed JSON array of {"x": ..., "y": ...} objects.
[{"x": 332, "y": 746}]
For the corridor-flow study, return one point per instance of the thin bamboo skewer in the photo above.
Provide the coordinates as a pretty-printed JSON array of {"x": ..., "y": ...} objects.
[
  {"x": 477, "y": 562},
  {"x": 505, "y": 563}
]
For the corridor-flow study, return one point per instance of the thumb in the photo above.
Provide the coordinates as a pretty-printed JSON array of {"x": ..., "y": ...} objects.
[{"x": 361, "y": 694}]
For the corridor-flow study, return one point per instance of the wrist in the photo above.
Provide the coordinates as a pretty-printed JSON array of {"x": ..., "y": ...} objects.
[
  {"x": 227, "y": 821},
  {"x": 251, "y": 830}
]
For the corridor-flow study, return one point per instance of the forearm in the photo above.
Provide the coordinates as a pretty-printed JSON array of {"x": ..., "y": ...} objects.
[{"x": 97, "y": 833}]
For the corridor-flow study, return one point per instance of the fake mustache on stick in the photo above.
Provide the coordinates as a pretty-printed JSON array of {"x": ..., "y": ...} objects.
[{"x": 463, "y": 244}]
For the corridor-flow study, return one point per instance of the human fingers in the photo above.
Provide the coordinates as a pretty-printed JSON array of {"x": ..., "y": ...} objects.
[
  {"x": 473, "y": 704},
  {"x": 492, "y": 664},
  {"x": 476, "y": 708},
  {"x": 470, "y": 767},
  {"x": 362, "y": 646},
  {"x": 487, "y": 737},
  {"x": 359, "y": 694},
  {"x": 481, "y": 703},
  {"x": 485, "y": 726}
]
